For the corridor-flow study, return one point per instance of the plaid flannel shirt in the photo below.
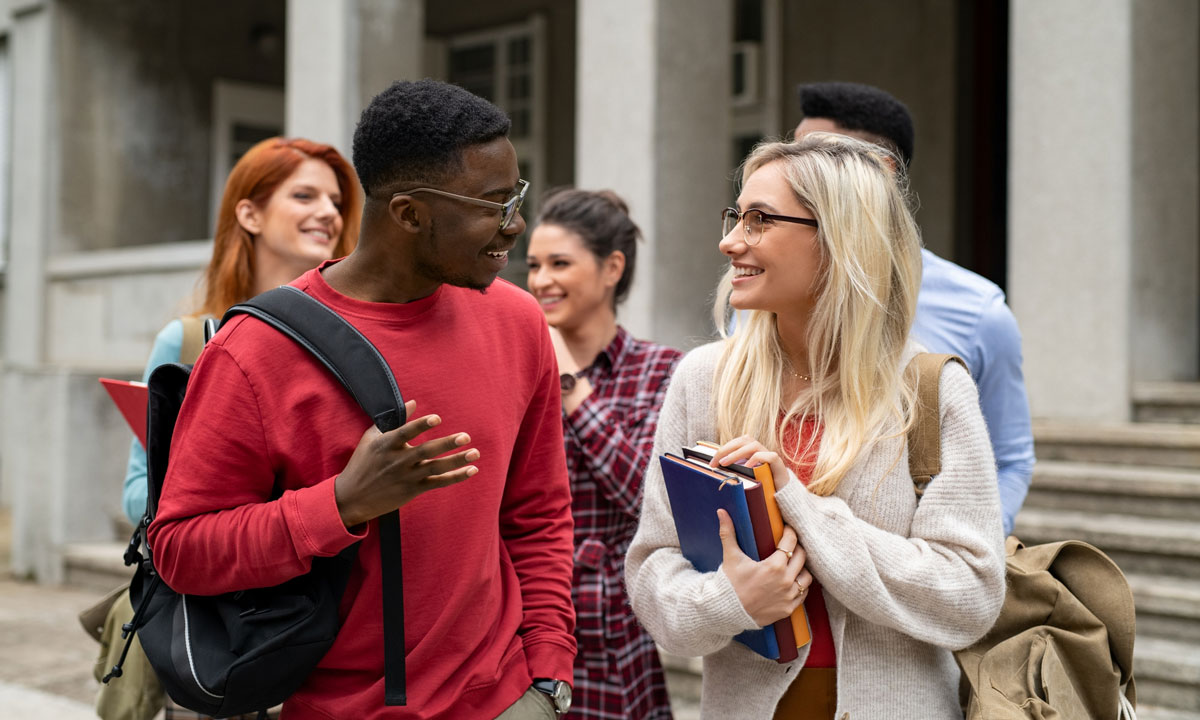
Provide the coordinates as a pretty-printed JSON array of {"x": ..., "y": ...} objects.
[{"x": 609, "y": 442}]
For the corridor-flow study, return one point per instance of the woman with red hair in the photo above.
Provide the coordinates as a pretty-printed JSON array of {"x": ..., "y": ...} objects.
[{"x": 288, "y": 206}]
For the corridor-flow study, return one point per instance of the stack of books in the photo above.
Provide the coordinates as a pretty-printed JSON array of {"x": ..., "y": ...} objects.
[{"x": 696, "y": 491}]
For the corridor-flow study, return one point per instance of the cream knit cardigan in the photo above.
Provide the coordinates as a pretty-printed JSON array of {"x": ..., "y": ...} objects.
[{"x": 904, "y": 583}]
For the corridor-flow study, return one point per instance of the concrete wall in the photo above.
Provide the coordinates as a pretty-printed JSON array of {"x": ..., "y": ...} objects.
[
  {"x": 135, "y": 102},
  {"x": 1166, "y": 216},
  {"x": 1070, "y": 222},
  {"x": 70, "y": 494},
  {"x": 907, "y": 48},
  {"x": 654, "y": 126},
  {"x": 104, "y": 308}
]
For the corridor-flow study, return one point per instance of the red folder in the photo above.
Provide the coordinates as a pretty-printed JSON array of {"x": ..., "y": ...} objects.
[{"x": 131, "y": 399}]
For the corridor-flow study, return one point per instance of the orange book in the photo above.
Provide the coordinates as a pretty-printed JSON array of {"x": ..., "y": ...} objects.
[
  {"x": 131, "y": 399},
  {"x": 704, "y": 450}
]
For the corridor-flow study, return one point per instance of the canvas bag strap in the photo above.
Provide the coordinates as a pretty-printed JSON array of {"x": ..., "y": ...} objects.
[
  {"x": 361, "y": 369},
  {"x": 925, "y": 435},
  {"x": 193, "y": 338}
]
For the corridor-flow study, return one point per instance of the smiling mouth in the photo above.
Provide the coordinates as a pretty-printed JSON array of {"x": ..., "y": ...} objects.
[
  {"x": 740, "y": 272},
  {"x": 502, "y": 255},
  {"x": 322, "y": 235},
  {"x": 550, "y": 300}
]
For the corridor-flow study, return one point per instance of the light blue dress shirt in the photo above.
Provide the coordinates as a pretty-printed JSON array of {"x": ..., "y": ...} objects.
[
  {"x": 965, "y": 314},
  {"x": 167, "y": 346}
]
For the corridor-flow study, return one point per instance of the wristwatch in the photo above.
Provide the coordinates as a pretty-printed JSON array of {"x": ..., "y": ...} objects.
[{"x": 558, "y": 691}]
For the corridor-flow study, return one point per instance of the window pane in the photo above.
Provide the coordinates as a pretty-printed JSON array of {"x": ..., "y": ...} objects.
[
  {"x": 474, "y": 67},
  {"x": 748, "y": 21},
  {"x": 518, "y": 51}
]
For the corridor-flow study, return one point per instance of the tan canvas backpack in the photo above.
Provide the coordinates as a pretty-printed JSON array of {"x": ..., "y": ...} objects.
[{"x": 1062, "y": 647}]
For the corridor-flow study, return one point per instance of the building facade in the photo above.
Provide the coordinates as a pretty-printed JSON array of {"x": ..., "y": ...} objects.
[{"x": 1056, "y": 152}]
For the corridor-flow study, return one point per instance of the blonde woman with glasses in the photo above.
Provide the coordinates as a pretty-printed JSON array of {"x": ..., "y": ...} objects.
[{"x": 825, "y": 261}]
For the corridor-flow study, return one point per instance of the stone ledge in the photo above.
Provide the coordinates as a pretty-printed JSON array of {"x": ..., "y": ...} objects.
[
  {"x": 1165, "y": 659},
  {"x": 1166, "y": 595},
  {"x": 1132, "y": 434},
  {"x": 137, "y": 260},
  {"x": 1169, "y": 537},
  {"x": 1166, "y": 393},
  {"x": 1118, "y": 479}
]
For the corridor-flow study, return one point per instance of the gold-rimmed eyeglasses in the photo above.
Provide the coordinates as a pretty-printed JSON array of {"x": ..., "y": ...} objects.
[
  {"x": 509, "y": 208},
  {"x": 753, "y": 221}
]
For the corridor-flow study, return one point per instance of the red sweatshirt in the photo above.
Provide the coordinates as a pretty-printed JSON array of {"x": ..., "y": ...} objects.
[{"x": 487, "y": 562}]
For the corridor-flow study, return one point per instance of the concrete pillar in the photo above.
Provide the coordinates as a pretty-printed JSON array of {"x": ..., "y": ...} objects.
[
  {"x": 1166, "y": 182},
  {"x": 32, "y": 227},
  {"x": 34, "y": 135},
  {"x": 1070, "y": 221},
  {"x": 653, "y": 124},
  {"x": 340, "y": 53},
  {"x": 60, "y": 430}
]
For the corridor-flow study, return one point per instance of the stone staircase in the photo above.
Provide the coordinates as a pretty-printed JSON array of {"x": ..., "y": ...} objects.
[{"x": 1133, "y": 490}]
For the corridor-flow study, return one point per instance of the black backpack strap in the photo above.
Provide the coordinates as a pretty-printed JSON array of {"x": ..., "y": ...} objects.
[
  {"x": 361, "y": 369},
  {"x": 352, "y": 359}
]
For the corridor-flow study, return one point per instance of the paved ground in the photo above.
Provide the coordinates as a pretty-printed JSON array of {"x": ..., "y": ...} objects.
[{"x": 45, "y": 657}]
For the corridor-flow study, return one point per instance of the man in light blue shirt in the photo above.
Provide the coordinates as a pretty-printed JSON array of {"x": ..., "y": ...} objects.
[{"x": 958, "y": 311}]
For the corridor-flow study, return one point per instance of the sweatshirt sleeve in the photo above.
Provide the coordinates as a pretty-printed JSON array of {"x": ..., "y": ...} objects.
[
  {"x": 536, "y": 527},
  {"x": 219, "y": 529},
  {"x": 687, "y": 612},
  {"x": 944, "y": 583}
]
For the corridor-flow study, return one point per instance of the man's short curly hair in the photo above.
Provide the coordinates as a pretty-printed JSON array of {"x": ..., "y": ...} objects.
[
  {"x": 416, "y": 132},
  {"x": 860, "y": 107}
]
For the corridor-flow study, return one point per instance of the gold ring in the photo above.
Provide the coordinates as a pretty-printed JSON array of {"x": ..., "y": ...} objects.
[
  {"x": 785, "y": 552},
  {"x": 803, "y": 590}
]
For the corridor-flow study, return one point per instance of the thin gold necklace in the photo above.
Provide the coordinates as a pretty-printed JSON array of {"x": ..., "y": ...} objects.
[{"x": 802, "y": 376}]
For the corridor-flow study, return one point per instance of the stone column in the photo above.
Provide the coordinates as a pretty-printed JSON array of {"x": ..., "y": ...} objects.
[
  {"x": 1070, "y": 220},
  {"x": 340, "y": 53},
  {"x": 1166, "y": 218},
  {"x": 32, "y": 163},
  {"x": 653, "y": 124},
  {"x": 34, "y": 448}
]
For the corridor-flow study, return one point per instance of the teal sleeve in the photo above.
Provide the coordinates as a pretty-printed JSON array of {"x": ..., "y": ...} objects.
[{"x": 167, "y": 346}]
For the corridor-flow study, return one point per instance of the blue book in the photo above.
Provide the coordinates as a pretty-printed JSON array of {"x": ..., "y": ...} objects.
[{"x": 696, "y": 491}]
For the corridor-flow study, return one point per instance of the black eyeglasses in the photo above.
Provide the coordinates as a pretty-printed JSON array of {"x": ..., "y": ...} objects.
[
  {"x": 752, "y": 222},
  {"x": 509, "y": 208}
]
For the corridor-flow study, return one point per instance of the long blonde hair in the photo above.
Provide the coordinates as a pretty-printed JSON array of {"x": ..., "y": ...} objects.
[{"x": 868, "y": 278}]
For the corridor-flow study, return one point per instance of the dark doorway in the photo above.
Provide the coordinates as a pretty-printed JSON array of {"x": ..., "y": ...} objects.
[{"x": 981, "y": 205}]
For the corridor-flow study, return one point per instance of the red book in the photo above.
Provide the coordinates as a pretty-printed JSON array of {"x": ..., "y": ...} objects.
[
  {"x": 131, "y": 399},
  {"x": 765, "y": 541},
  {"x": 703, "y": 451}
]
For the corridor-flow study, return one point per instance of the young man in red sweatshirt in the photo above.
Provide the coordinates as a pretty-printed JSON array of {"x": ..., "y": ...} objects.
[{"x": 273, "y": 463}]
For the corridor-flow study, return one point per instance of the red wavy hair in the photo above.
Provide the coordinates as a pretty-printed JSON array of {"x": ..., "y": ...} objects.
[{"x": 229, "y": 278}]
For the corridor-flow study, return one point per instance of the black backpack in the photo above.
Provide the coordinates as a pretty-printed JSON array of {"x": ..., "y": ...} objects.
[{"x": 250, "y": 650}]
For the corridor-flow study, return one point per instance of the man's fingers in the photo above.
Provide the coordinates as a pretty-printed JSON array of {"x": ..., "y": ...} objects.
[
  {"x": 449, "y": 478},
  {"x": 407, "y": 432},
  {"x": 442, "y": 465},
  {"x": 440, "y": 446}
]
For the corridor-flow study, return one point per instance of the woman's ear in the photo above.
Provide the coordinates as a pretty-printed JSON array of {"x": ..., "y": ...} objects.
[
  {"x": 248, "y": 216},
  {"x": 613, "y": 268},
  {"x": 404, "y": 211}
]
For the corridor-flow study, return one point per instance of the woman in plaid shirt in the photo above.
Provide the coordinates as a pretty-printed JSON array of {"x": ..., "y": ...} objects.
[{"x": 581, "y": 261}]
